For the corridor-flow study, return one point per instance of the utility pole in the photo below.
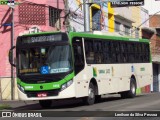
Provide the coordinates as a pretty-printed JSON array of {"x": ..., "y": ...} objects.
[
  {"x": 12, "y": 43},
  {"x": 66, "y": 22},
  {"x": 86, "y": 12}
]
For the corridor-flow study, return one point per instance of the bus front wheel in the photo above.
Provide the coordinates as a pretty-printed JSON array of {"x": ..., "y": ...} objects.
[
  {"x": 90, "y": 99},
  {"x": 45, "y": 103}
]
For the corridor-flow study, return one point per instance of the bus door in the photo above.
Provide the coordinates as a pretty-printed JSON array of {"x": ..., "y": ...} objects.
[{"x": 78, "y": 54}]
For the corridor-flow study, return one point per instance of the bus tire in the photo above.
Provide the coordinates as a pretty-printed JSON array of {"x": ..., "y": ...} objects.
[
  {"x": 90, "y": 99},
  {"x": 123, "y": 95},
  {"x": 133, "y": 87},
  {"x": 45, "y": 103},
  {"x": 98, "y": 98},
  {"x": 132, "y": 92}
]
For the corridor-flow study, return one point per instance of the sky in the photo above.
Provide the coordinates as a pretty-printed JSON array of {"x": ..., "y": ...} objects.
[{"x": 152, "y": 6}]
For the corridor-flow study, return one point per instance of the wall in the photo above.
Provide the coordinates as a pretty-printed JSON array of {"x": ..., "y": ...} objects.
[
  {"x": 76, "y": 17},
  {"x": 104, "y": 19},
  {"x": 111, "y": 18},
  {"x": 159, "y": 77},
  {"x": 124, "y": 18},
  {"x": 144, "y": 16},
  {"x": 155, "y": 48},
  {"x": 136, "y": 16},
  {"x": 154, "y": 21},
  {"x": 5, "y": 89},
  {"x": 25, "y": 18}
]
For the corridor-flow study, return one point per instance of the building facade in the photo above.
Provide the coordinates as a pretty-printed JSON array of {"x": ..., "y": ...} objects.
[
  {"x": 153, "y": 33},
  {"x": 29, "y": 16}
]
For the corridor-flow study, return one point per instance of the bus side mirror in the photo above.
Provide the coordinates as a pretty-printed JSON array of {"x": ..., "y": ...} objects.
[{"x": 11, "y": 56}]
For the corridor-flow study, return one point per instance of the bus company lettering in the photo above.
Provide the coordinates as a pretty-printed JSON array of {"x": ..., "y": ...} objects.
[
  {"x": 108, "y": 71},
  {"x": 102, "y": 72},
  {"x": 142, "y": 69}
]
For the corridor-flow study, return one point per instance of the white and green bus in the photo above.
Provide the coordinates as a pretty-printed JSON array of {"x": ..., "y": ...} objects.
[{"x": 59, "y": 65}]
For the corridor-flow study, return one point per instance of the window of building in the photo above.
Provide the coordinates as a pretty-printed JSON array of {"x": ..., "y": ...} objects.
[
  {"x": 117, "y": 26},
  {"x": 126, "y": 30},
  {"x": 32, "y": 14},
  {"x": 54, "y": 16},
  {"x": 96, "y": 15}
]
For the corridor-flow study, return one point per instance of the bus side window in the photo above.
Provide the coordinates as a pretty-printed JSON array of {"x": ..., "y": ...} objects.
[{"x": 89, "y": 51}]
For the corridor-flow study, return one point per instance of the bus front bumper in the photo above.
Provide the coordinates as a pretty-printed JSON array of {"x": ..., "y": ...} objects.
[{"x": 69, "y": 92}]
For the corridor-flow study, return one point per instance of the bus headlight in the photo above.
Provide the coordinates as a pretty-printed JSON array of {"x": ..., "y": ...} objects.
[
  {"x": 69, "y": 83},
  {"x": 64, "y": 86},
  {"x": 21, "y": 88}
]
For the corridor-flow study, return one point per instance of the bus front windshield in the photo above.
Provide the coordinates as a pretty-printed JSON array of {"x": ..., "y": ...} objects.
[{"x": 45, "y": 60}]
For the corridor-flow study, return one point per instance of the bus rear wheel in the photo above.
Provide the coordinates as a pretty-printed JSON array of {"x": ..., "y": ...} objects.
[
  {"x": 132, "y": 92},
  {"x": 45, "y": 103},
  {"x": 90, "y": 99},
  {"x": 133, "y": 87}
]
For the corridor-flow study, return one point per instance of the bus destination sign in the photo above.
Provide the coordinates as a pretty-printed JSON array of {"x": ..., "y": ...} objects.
[{"x": 43, "y": 38}]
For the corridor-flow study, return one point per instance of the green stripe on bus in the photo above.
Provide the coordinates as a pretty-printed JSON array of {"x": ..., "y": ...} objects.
[
  {"x": 138, "y": 91},
  {"x": 106, "y": 37},
  {"x": 46, "y": 86}
]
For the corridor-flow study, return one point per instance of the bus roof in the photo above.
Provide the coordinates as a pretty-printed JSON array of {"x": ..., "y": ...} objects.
[
  {"x": 41, "y": 33},
  {"x": 105, "y": 36},
  {"x": 102, "y": 35}
]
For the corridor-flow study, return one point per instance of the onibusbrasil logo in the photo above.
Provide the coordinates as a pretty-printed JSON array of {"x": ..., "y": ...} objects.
[{"x": 21, "y": 115}]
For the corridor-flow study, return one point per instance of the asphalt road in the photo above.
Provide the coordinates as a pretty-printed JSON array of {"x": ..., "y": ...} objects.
[
  {"x": 145, "y": 102},
  {"x": 108, "y": 106}
]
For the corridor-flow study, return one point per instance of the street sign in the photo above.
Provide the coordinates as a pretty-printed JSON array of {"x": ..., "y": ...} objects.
[{"x": 7, "y": 24}]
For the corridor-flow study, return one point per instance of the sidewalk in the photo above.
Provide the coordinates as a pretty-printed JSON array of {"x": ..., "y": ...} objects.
[{"x": 16, "y": 103}]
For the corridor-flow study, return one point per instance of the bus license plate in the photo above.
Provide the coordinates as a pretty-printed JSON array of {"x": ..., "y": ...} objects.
[{"x": 42, "y": 95}]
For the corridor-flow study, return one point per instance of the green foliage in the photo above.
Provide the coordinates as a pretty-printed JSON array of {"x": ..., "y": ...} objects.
[{"x": 5, "y": 106}]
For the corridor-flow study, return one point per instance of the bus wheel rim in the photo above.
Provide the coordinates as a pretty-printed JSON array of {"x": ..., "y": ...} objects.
[
  {"x": 133, "y": 89},
  {"x": 91, "y": 94}
]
